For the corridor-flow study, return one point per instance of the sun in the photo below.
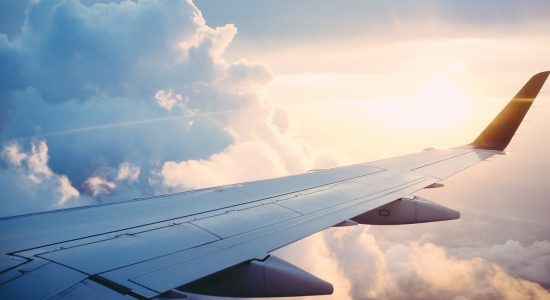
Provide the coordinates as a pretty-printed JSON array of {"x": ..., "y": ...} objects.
[{"x": 438, "y": 105}]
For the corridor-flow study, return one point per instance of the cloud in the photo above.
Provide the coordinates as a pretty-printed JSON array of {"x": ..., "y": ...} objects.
[
  {"x": 99, "y": 186},
  {"x": 116, "y": 49},
  {"x": 12, "y": 154},
  {"x": 238, "y": 163},
  {"x": 167, "y": 99},
  {"x": 244, "y": 76},
  {"x": 128, "y": 171},
  {"x": 530, "y": 262},
  {"x": 66, "y": 190},
  {"x": 34, "y": 164},
  {"x": 135, "y": 98},
  {"x": 28, "y": 184},
  {"x": 415, "y": 270}
]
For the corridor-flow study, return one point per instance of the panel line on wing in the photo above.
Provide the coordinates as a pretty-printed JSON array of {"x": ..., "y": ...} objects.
[
  {"x": 252, "y": 245},
  {"x": 255, "y": 234},
  {"x": 442, "y": 160},
  {"x": 124, "y": 250},
  {"x": 62, "y": 235}
]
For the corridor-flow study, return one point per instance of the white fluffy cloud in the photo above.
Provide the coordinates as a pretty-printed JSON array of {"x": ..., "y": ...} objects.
[
  {"x": 360, "y": 269},
  {"x": 144, "y": 82},
  {"x": 13, "y": 154},
  {"x": 29, "y": 182},
  {"x": 99, "y": 186},
  {"x": 66, "y": 190},
  {"x": 128, "y": 171},
  {"x": 530, "y": 262},
  {"x": 240, "y": 162},
  {"x": 167, "y": 99}
]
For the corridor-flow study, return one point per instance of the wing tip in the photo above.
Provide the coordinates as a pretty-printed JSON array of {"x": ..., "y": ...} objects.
[{"x": 498, "y": 134}]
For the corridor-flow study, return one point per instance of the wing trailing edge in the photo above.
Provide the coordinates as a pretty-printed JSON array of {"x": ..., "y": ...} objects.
[{"x": 499, "y": 132}]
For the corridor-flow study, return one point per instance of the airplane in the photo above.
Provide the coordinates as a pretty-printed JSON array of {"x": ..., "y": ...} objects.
[{"x": 217, "y": 241}]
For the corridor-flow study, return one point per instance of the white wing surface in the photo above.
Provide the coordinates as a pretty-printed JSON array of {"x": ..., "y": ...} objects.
[{"x": 217, "y": 241}]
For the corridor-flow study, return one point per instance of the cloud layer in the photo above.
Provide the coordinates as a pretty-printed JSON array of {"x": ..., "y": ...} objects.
[
  {"x": 354, "y": 261},
  {"x": 134, "y": 98}
]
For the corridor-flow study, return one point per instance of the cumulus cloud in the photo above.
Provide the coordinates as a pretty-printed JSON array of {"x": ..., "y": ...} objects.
[
  {"x": 66, "y": 190},
  {"x": 167, "y": 99},
  {"x": 144, "y": 82},
  {"x": 244, "y": 76},
  {"x": 128, "y": 171},
  {"x": 440, "y": 274},
  {"x": 529, "y": 262},
  {"x": 99, "y": 186},
  {"x": 12, "y": 154},
  {"x": 240, "y": 162},
  {"x": 416, "y": 270},
  {"x": 29, "y": 184}
]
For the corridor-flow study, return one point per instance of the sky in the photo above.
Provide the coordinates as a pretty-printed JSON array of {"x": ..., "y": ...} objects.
[{"x": 104, "y": 101}]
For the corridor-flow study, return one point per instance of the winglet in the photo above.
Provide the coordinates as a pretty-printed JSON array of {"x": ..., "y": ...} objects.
[{"x": 500, "y": 131}]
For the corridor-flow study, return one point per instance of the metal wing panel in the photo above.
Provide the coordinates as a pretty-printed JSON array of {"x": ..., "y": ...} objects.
[
  {"x": 99, "y": 238},
  {"x": 230, "y": 224},
  {"x": 455, "y": 164},
  {"x": 312, "y": 201},
  {"x": 41, "y": 283},
  {"x": 240, "y": 221},
  {"x": 127, "y": 249},
  {"x": 90, "y": 290},
  {"x": 182, "y": 267},
  {"x": 8, "y": 262},
  {"x": 419, "y": 159},
  {"x": 320, "y": 208},
  {"x": 36, "y": 230}
]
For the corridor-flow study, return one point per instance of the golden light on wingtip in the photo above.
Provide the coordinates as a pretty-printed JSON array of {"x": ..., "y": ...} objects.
[{"x": 527, "y": 100}]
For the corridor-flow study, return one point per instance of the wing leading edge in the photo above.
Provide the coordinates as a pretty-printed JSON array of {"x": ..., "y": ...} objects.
[{"x": 217, "y": 241}]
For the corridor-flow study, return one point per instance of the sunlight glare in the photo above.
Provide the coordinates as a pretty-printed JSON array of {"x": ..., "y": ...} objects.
[{"x": 437, "y": 106}]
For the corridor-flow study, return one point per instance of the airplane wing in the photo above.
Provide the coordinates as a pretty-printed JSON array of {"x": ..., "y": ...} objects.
[{"x": 217, "y": 241}]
